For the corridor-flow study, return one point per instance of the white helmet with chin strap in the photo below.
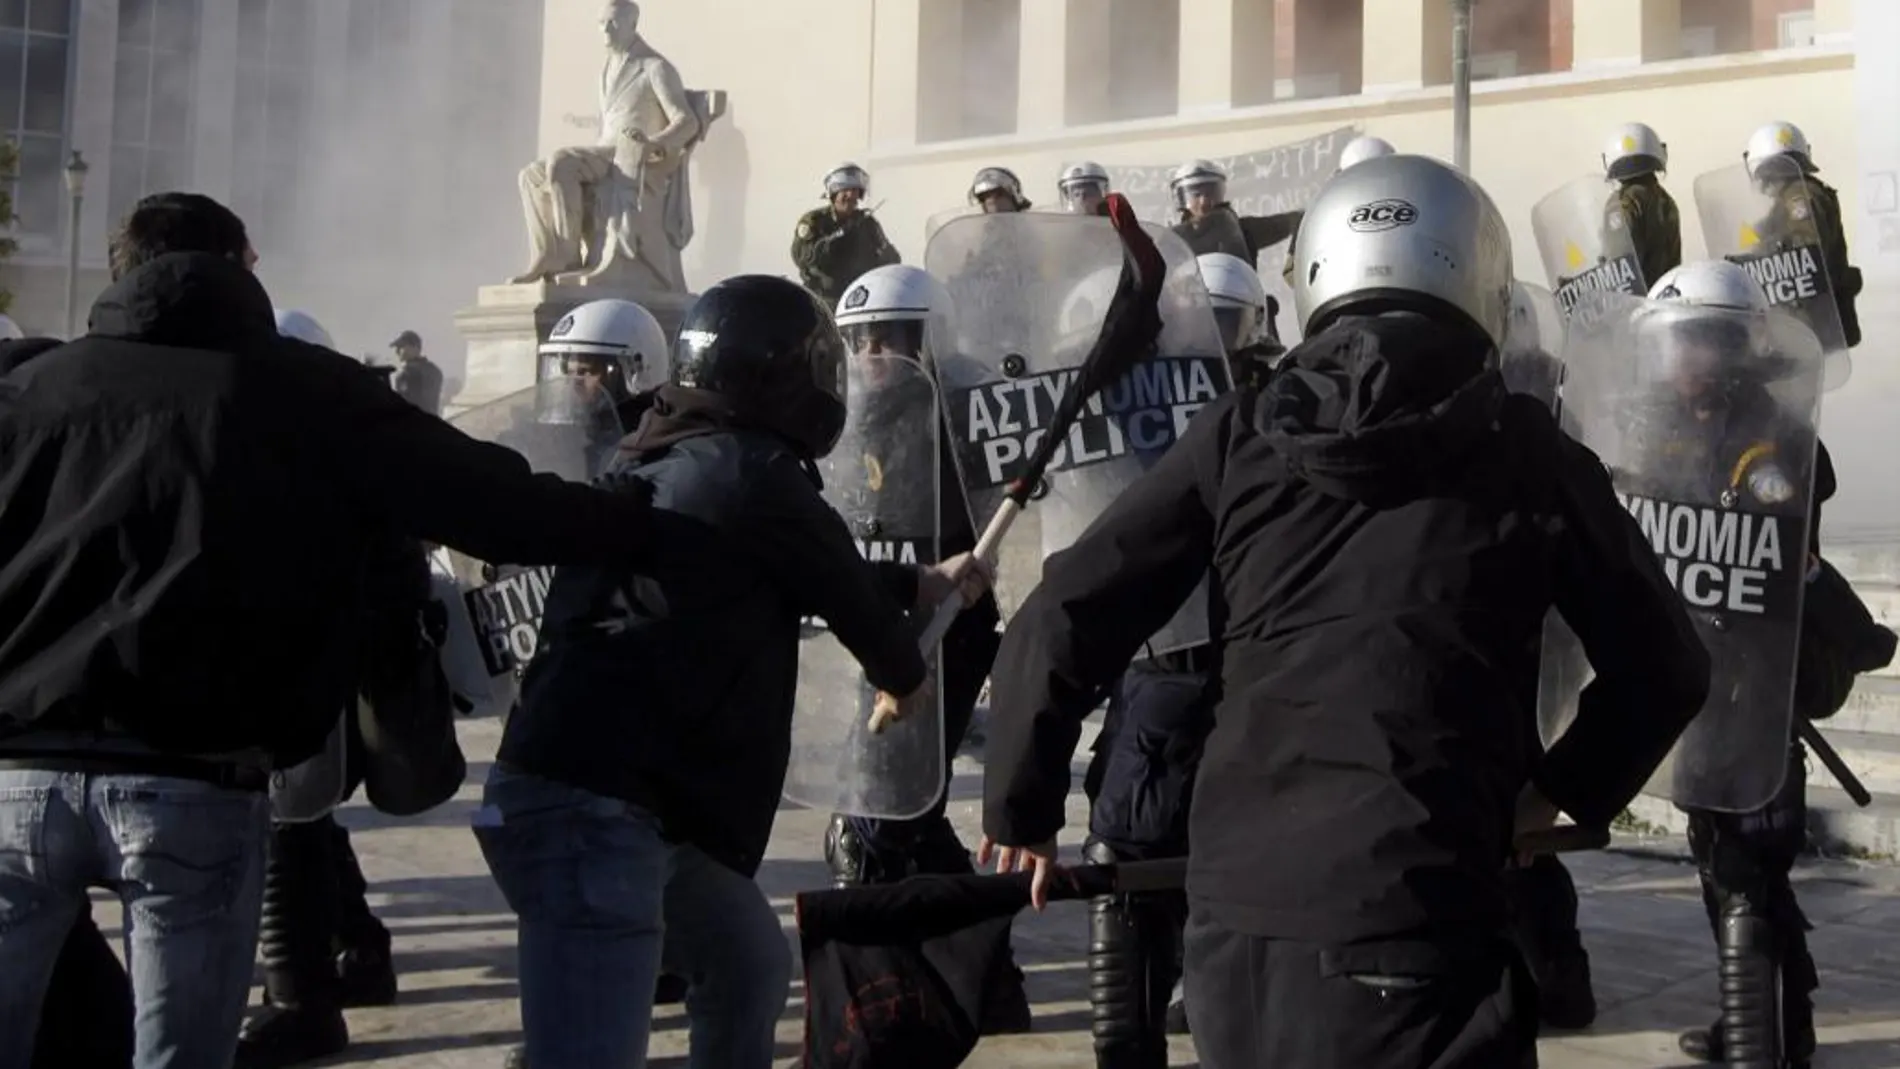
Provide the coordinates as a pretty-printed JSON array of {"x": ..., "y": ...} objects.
[
  {"x": 1363, "y": 148},
  {"x": 895, "y": 310},
  {"x": 9, "y": 330},
  {"x": 1404, "y": 232},
  {"x": 1081, "y": 185},
  {"x": 1194, "y": 175},
  {"x": 304, "y": 327},
  {"x": 620, "y": 333},
  {"x": 1714, "y": 304},
  {"x": 1780, "y": 147},
  {"x": 1634, "y": 150},
  {"x": 847, "y": 176},
  {"x": 1238, "y": 296}
]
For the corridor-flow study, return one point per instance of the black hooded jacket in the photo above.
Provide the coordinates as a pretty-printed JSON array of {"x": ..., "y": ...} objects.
[
  {"x": 192, "y": 505},
  {"x": 673, "y": 688},
  {"x": 1386, "y": 529}
]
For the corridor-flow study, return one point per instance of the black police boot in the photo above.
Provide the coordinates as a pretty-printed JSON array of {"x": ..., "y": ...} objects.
[
  {"x": 1127, "y": 1019},
  {"x": 844, "y": 854},
  {"x": 302, "y": 1020},
  {"x": 1749, "y": 1031},
  {"x": 364, "y": 966},
  {"x": 670, "y": 991}
]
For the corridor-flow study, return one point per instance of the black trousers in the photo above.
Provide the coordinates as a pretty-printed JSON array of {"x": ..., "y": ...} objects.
[
  {"x": 1744, "y": 860},
  {"x": 1255, "y": 1002}
]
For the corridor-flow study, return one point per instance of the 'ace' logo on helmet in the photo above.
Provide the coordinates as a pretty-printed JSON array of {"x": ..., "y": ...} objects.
[
  {"x": 857, "y": 298},
  {"x": 1382, "y": 215}
]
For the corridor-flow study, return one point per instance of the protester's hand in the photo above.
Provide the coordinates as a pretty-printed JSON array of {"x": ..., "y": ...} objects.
[
  {"x": 938, "y": 582},
  {"x": 1535, "y": 813},
  {"x": 1041, "y": 859}
]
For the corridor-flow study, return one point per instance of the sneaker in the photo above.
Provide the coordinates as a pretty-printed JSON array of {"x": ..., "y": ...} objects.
[{"x": 283, "y": 1036}]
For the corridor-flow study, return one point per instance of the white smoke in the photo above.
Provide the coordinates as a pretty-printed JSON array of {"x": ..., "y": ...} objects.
[{"x": 406, "y": 202}]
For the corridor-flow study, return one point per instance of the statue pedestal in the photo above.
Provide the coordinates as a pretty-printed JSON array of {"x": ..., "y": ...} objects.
[{"x": 505, "y": 327}]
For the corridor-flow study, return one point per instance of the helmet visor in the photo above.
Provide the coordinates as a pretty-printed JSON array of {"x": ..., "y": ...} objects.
[
  {"x": 592, "y": 373},
  {"x": 1205, "y": 192},
  {"x": 1084, "y": 196},
  {"x": 1239, "y": 325}
]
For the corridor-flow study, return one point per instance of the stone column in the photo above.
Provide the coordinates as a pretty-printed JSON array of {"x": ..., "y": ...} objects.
[
  {"x": 1407, "y": 44},
  {"x": 1226, "y": 54},
  {"x": 1625, "y": 33},
  {"x": 1063, "y": 79}
]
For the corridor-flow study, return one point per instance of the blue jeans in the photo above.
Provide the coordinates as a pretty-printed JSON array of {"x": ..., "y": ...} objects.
[
  {"x": 187, "y": 859},
  {"x": 599, "y": 897}
]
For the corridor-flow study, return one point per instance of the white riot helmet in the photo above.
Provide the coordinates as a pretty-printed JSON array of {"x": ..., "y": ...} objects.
[
  {"x": 615, "y": 339},
  {"x": 303, "y": 327},
  {"x": 1404, "y": 232},
  {"x": 9, "y": 330},
  {"x": 847, "y": 176},
  {"x": 1634, "y": 150},
  {"x": 992, "y": 179},
  {"x": 1083, "y": 187},
  {"x": 1238, "y": 296},
  {"x": 897, "y": 310},
  {"x": 1706, "y": 321},
  {"x": 1779, "y": 150},
  {"x": 1198, "y": 176},
  {"x": 1363, "y": 148}
]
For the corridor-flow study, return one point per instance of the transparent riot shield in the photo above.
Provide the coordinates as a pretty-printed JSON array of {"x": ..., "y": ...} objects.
[
  {"x": 561, "y": 427},
  {"x": 313, "y": 789},
  {"x": 1585, "y": 242},
  {"x": 1706, "y": 421},
  {"x": 1769, "y": 228},
  {"x": 1530, "y": 358},
  {"x": 1031, "y": 294},
  {"x": 882, "y": 477}
]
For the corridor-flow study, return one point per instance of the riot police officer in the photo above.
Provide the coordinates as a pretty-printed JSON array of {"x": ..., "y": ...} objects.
[
  {"x": 1208, "y": 223},
  {"x": 1807, "y": 211},
  {"x": 890, "y": 312},
  {"x": 997, "y": 190},
  {"x": 1633, "y": 158},
  {"x": 1246, "y": 314},
  {"x": 1720, "y": 364},
  {"x": 1084, "y": 188},
  {"x": 835, "y": 244}
]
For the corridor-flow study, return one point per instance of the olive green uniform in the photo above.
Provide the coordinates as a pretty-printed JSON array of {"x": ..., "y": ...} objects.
[
  {"x": 831, "y": 252},
  {"x": 1226, "y": 230},
  {"x": 1655, "y": 227},
  {"x": 1809, "y": 214}
]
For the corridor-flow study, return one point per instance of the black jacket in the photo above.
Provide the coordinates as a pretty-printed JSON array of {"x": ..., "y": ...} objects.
[
  {"x": 1226, "y": 230},
  {"x": 419, "y": 382},
  {"x": 1386, "y": 530},
  {"x": 192, "y": 505},
  {"x": 673, "y": 688}
]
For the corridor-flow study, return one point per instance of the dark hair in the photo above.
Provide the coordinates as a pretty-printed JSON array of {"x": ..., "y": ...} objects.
[{"x": 176, "y": 222}]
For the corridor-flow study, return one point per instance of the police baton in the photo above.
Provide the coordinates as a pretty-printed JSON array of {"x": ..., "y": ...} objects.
[
  {"x": 1831, "y": 757},
  {"x": 1129, "y": 329}
]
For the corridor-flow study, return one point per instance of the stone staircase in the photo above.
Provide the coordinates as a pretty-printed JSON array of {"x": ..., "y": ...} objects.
[{"x": 1866, "y": 731}]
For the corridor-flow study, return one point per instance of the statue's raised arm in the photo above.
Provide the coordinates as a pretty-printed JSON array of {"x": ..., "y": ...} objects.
[{"x": 616, "y": 214}]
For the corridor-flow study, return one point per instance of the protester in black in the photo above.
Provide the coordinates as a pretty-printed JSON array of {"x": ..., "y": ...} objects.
[
  {"x": 639, "y": 777},
  {"x": 154, "y": 665},
  {"x": 1386, "y": 531}
]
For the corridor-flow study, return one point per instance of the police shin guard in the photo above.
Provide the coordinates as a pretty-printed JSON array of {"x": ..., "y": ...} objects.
[
  {"x": 1131, "y": 961},
  {"x": 1751, "y": 996},
  {"x": 303, "y": 1020},
  {"x": 845, "y": 854}
]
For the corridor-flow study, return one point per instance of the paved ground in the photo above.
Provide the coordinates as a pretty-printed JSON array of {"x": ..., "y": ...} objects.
[{"x": 1654, "y": 964}]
